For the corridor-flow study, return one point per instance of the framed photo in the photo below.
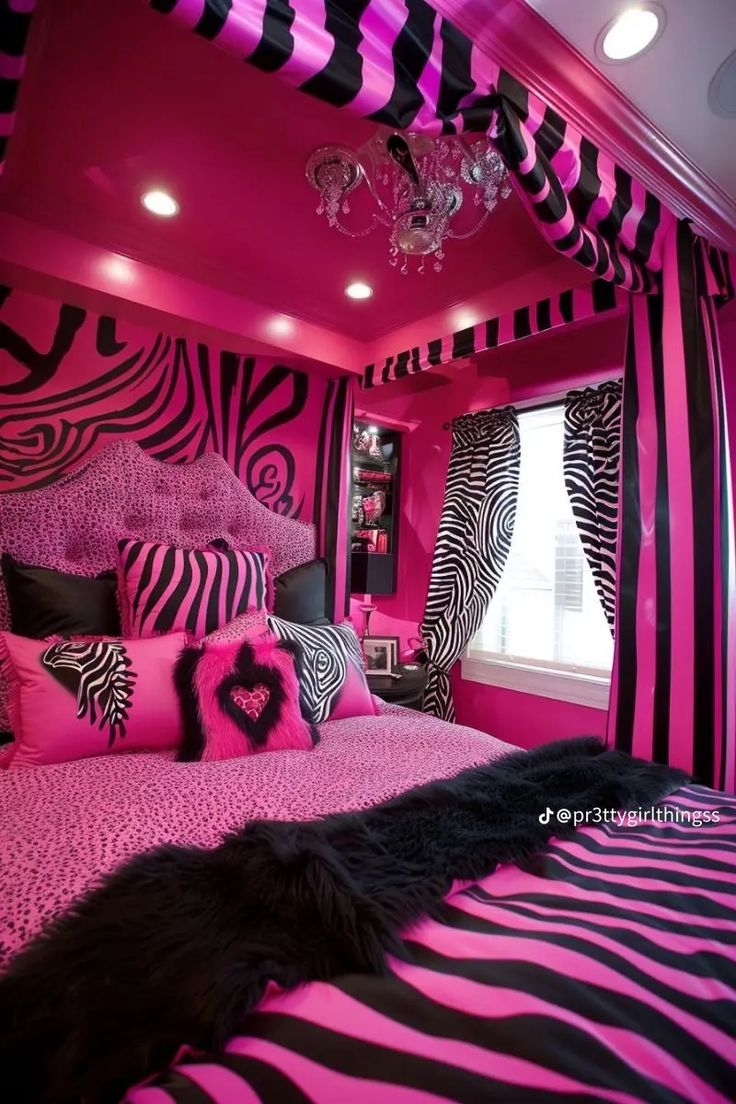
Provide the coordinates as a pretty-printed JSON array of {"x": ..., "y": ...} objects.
[{"x": 381, "y": 654}]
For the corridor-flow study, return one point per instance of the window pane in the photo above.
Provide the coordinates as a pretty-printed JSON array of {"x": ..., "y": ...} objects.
[{"x": 546, "y": 607}]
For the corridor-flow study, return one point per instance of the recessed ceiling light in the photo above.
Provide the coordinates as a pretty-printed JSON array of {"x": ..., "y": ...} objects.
[
  {"x": 358, "y": 290},
  {"x": 160, "y": 203},
  {"x": 281, "y": 325},
  {"x": 632, "y": 32}
]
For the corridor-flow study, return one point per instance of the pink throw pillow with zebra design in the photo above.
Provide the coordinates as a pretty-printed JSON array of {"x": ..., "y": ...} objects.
[
  {"x": 163, "y": 588},
  {"x": 70, "y": 699}
]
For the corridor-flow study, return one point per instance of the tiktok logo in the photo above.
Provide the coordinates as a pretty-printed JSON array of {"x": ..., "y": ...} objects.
[{"x": 546, "y": 816}]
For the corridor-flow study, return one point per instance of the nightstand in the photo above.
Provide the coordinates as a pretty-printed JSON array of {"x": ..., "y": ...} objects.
[{"x": 407, "y": 689}]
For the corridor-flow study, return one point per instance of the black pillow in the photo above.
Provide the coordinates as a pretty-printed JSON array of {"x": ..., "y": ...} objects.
[
  {"x": 43, "y": 601},
  {"x": 300, "y": 594}
]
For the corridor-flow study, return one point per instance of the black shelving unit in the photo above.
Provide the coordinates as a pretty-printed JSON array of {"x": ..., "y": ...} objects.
[{"x": 374, "y": 540}]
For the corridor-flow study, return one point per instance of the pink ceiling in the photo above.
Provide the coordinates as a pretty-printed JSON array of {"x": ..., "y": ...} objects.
[{"x": 118, "y": 100}]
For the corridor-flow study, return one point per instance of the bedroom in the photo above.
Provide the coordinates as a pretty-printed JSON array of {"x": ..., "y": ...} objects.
[{"x": 262, "y": 490}]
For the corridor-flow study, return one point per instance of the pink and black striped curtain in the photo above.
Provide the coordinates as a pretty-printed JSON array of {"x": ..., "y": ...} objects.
[{"x": 399, "y": 62}]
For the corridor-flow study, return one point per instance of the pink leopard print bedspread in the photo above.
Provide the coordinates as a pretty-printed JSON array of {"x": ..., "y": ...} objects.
[{"x": 62, "y": 826}]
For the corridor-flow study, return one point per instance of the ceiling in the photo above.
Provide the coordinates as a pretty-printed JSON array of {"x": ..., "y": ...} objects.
[
  {"x": 118, "y": 100},
  {"x": 668, "y": 83}
]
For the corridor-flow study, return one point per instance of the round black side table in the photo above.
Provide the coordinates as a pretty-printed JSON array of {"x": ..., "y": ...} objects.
[{"x": 407, "y": 689}]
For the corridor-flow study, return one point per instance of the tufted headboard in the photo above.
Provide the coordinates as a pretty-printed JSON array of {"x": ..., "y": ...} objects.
[{"x": 73, "y": 524}]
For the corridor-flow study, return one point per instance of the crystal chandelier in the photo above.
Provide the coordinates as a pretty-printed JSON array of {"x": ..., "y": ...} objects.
[{"x": 418, "y": 185}]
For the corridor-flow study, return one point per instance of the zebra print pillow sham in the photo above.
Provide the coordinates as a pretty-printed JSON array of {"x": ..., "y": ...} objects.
[
  {"x": 241, "y": 697},
  {"x": 70, "y": 699},
  {"x": 332, "y": 672},
  {"x": 163, "y": 588}
]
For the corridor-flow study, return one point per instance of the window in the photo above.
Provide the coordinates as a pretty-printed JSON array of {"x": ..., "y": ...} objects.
[{"x": 545, "y": 631}]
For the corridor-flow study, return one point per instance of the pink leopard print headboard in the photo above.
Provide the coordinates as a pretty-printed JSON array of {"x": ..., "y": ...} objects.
[{"x": 74, "y": 524}]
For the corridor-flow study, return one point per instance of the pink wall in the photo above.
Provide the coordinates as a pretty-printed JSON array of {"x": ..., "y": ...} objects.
[
  {"x": 72, "y": 380},
  {"x": 534, "y": 368}
]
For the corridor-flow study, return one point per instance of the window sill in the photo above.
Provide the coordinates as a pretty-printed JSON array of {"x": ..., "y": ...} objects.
[{"x": 569, "y": 686}]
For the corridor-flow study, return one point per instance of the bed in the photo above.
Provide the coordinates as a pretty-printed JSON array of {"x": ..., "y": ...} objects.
[{"x": 602, "y": 968}]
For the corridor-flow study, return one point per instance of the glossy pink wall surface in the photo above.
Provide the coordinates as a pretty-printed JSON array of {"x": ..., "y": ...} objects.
[
  {"x": 72, "y": 380},
  {"x": 530, "y": 369}
]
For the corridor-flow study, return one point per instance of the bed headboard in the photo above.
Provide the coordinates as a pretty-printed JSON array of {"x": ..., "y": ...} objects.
[{"x": 74, "y": 523}]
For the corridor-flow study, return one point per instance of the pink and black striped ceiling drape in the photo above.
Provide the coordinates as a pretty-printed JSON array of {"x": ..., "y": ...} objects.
[{"x": 399, "y": 62}]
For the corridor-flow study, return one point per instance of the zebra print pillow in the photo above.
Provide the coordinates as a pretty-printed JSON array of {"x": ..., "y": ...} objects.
[
  {"x": 332, "y": 671},
  {"x": 70, "y": 699},
  {"x": 163, "y": 588}
]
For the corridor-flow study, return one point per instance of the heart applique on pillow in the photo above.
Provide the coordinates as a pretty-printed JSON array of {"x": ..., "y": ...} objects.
[
  {"x": 251, "y": 702},
  {"x": 241, "y": 696}
]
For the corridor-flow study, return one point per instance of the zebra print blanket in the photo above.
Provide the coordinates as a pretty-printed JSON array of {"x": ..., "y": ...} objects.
[{"x": 177, "y": 946}]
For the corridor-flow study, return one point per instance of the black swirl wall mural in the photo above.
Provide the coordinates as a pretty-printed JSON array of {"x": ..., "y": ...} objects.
[{"x": 71, "y": 380}]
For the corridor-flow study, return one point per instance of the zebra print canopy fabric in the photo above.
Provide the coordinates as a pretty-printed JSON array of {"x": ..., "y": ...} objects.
[
  {"x": 473, "y": 542},
  {"x": 591, "y": 460},
  {"x": 15, "y": 23},
  {"x": 604, "y": 970},
  {"x": 673, "y": 689},
  {"x": 572, "y": 305},
  {"x": 401, "y": 64}
]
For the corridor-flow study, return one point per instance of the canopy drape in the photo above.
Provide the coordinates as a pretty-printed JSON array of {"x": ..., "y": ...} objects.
[{"x": 402, "y": 64}]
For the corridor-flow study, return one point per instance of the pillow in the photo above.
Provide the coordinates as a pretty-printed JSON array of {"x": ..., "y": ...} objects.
[
  {"x": 241, "y": 697},
  {"x": 43, "y": 601},
  {"x": 74, "y": 698},
  {"x": 300, "y": 594},
  {"x": 332, "y": 677},
  {"x": 250, "y": 623},
  {"x": 163, "y": 588}
]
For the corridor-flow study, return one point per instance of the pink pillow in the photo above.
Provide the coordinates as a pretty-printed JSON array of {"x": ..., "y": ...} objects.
[
  {"x": 251, "y": 623},
  {"x": 74, "y": 698},
  {"x": 333, "y": 681},
  {"x": 241, "y": 697},
  {"x": 163, "y": 588}
]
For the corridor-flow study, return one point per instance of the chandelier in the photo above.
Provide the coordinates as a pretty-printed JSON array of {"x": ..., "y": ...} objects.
[{"x": 418, "y": 185}]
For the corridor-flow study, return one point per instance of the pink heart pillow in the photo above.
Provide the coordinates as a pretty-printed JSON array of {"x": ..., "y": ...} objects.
[{"x": 241, "y": 696}]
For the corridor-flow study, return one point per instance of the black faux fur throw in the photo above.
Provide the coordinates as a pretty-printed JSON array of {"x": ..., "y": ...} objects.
[{"x": 178, "y": 944}]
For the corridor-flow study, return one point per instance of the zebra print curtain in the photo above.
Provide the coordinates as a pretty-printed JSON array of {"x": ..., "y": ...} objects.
[
  {"x": 591, "y": 460},
  {"x": 473, "y": 543}
]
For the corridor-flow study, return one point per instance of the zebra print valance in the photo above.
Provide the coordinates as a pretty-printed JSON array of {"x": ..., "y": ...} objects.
[{"x": 573, "y": 305}]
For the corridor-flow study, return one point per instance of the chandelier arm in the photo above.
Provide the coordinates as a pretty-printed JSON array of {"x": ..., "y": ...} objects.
[
  {"x": 384, "y": 215},
  {"x": 462, "y": 237},
  {"x": 357, "y": 233}
]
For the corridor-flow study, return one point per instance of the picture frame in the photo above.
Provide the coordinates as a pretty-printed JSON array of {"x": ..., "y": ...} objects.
[{"x": 381, "y": 655}]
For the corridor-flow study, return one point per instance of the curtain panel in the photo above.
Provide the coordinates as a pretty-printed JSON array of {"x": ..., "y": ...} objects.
[
  {"x": 402, "y": 64},
  {"x": 672, "y": 690},
  {"x": 591, "y": 456},
  {"x": 473, "y": 542}
]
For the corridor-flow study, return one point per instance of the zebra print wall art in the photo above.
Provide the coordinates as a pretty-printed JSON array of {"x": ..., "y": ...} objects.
[{"x": 71, "y": 381}]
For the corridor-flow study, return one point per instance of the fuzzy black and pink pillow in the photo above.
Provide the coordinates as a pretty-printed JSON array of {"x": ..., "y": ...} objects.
[{"x": 241, "y": 697}]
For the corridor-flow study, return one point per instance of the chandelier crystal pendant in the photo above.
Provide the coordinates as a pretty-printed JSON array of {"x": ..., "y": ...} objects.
[{"x": 418, "y": 185}]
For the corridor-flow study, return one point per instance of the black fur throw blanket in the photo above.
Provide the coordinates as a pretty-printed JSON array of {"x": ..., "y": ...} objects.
[{"x": 178, "y": 944}]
